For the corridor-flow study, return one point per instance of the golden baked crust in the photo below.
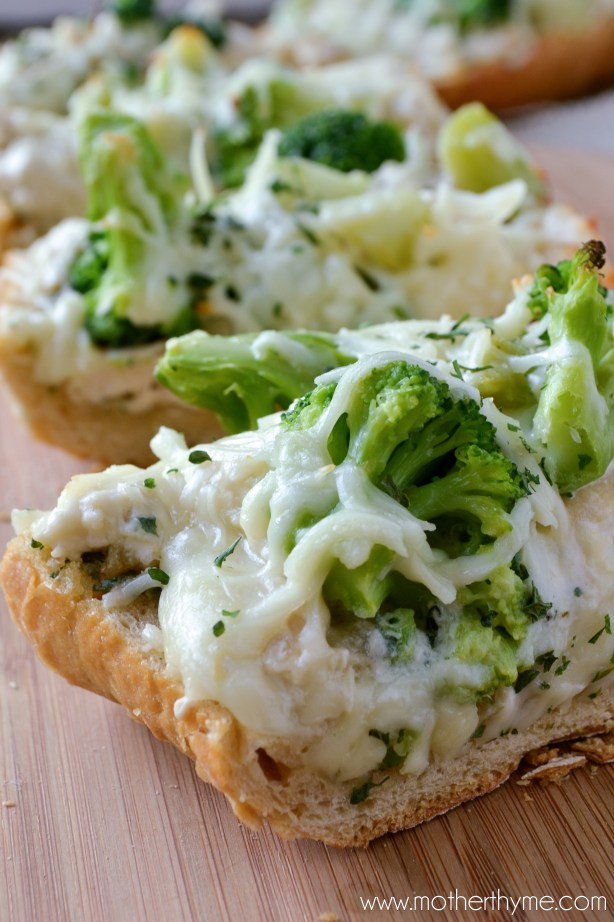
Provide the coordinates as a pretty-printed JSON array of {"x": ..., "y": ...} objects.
[
  {"x": 262, "y": 777},
  {"x": 107, "y": 431},
  {"x": 562, "y": 65}
]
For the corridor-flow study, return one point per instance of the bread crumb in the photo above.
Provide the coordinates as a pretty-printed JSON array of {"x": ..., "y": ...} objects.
[
  {"x": 542, "y": 756},
  {"x": 9, "y": 803},
  {"x": 554, "y": 771},
  {"x": 328, "y": 917},
  {"x": 599, "y": 749}
]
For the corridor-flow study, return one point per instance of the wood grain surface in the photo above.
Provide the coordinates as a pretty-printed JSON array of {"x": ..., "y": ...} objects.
[{"x": 101, "y": 823}]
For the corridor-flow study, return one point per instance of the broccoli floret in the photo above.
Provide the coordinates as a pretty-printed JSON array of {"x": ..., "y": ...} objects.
[
  {"x": 224, "y": 374},
  {"x": 357, "y": 590},
  {"x": 235, "y": 147},
  {"x": 89, "y": 266},
  {"x": 131, "y": 11},
  {"x": 548, "y": 278},
  {"x": 574, "y": 420},
  {"x": 495, "y": 615},
  {"x": 477, "y": 644},
  {"x": 275, "y": 105},
  {"x": 343, "y": 140},
  {"x": 501, "y": 601},
  {"x": 306, "y": 411},
  {"x": 122, "y": 168},
  {"x": 435, "y": 454},
  {"x": 482, "y": 485},
  {"x": 134, "y": 199},
  {"x": 398, "y": 628},
  {"x": 475, "y": 13}
]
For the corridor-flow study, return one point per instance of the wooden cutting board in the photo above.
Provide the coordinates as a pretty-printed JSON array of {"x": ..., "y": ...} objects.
[{"x": 101, "y": 823}]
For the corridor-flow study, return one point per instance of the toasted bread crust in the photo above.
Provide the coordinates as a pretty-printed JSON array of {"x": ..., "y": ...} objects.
[
  {"x": 262, "y": 777},
  {"x": 561, "y": 66},
  {"x": 107, "y": 431}
]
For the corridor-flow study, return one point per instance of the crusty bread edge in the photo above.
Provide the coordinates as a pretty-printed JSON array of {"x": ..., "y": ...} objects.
[
  {"x": 262, "y": 777},
  {"x": 561, "y": 66},
  {"x": 107, "y": 431}
]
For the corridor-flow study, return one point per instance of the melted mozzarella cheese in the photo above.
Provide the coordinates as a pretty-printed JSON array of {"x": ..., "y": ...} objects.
[
  {"x": 424, "y": 30},
  {"x": 242, "y": 620}
]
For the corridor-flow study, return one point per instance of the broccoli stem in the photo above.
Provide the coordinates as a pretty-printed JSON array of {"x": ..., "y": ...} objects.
[
  {"x": 135, "y": 199},
  {"x": 240, "y": 383}
]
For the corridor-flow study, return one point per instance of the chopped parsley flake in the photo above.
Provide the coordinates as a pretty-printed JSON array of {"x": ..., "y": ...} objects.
[
  {"x": 148, "y": 524},
  {"x": 370, "y": 281},
  {"x": 546, "y": 660},
  {"x": 198, "y": 456},
  {"x": 578, "y": 592},
  {"x": 37, "y": 545},
  {"x": 397, "y": 746},
  {"x": 525, "y": 678},
  {"x": 278, "y": 185},
  {"x": 150, "y": 483},
  {"x": 219, "y": 560},
  {"x": 307, "y": 233},
  {"x": 231, "y": 614},
  {"x": 457, "y": 373},
  {"x": 159, "y": 575},
  {"x": 360, "y": 793},
  {"x": 564, "y": 664},
  {"x": 601, "y": 674},
  {"x": 218, "y": 628},
  {"x": 478, "y": 732},
  {"x": 606, "y": 629}
]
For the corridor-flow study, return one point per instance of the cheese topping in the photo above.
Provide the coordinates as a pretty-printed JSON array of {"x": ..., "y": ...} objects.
[
  {"x": 242, "y": 616},
  {"x": 372, "y": 249},
  {"x": 431, "y": 32}
]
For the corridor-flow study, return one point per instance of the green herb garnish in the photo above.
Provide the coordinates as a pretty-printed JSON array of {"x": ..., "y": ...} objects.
[
  {"x": 360, "y": 793},
  {"x": 219, "y": 560},
  {"x": 525, "y": 678},
  {"x": 148, "y": 524},
  {"x": 606, "y": 629},
  {"x": 159, "y": 575},
  {"x": 198, "y": 456}
]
